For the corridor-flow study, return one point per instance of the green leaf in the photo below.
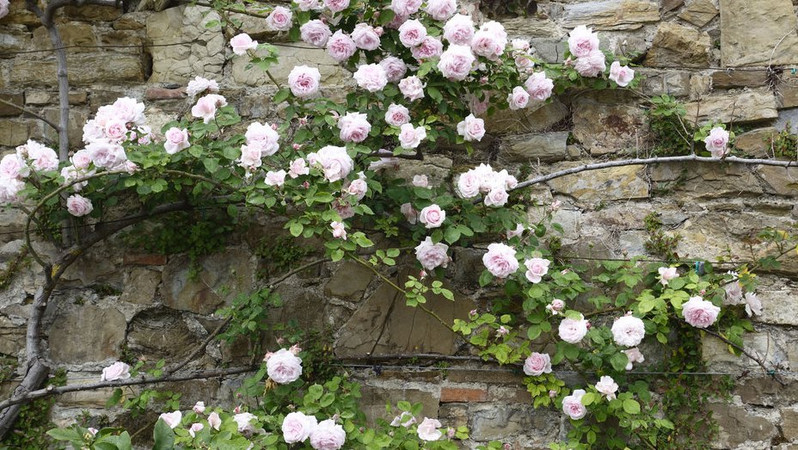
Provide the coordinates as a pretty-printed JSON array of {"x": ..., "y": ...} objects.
[
  {"x": 589, "y": 398},
  {"x": 163, "y": 436},
  {"x": 485, "y": 278},
  {"x": 211, "y": 164},
  {"x": 65, "y": 434},
  {"x": 631, "y": 406},
  {"x": 451, "y": 235},
  {"x": 114, "y": 399},
  {"x": 281, "y": 95},
  {"x": 296, "y": 229},
  {"x": 619, "y": 361}
]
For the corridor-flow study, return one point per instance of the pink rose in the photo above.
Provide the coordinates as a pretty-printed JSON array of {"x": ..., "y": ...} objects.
[
  {"x": 250, "y": 157},
  {"x": 428, "y": 430},
  {"x": 106, "y": 155},
  {"x": 517, "y": 232},
  {"x": 459, "y": 30},
  {"x": 429, "y": 48},
  {"x": 315, "y": 32},
  {"x": 432, "y": 255},
  {"x": 496, "y": 197},
  {"x": 78, "y": 205},
  {"x": 214, "y": 420},
  {"x": 500, "y": 260},
  {"x": 3, "y": 8},
  {"x": 572, "y": 405},
  {"x": 81, "y": 159},
  {"x": 283, "y": 366},
  {"x": 199, "y": 407},
  {"x": 279, "y": 19},
  {"x": 421, "y": 181},
  {"x": 432, "y": 216},
  {"x": 456, "y": 62},
  {"x": 206, "y": 107},
  {"x": 628, "y": 331},
  {"x": 275, "y": 178},
  {"x": 394, "y": 67},
  {"x": 410, "y": 137},
  {"x": 666, "y": 274},
  {"x": 340, "y": 46},
  {"x": 634, "y": 356},
  {"x": 412, "y": 88},
  {"x": 536, "y": 268},
  {"x": 592, "y": 64},
  {"x": 172, "y": 419},
  {"x": 244, "y": 422},
  {"x": 241, "y": 43},
  {"x": 199, "y": 85},
  {"x": 752, "y": 304},
  {"x": 9, "y": 188},
  {"x": 262, "y": 137},
  {"x": 699, "y": 312},
  {"x": 43, "y": 158},
  {"x": 366, "y": 37},
  {"x": 357, "y": 188},
  {"x": 336, "y": 5},
  {"x": 468, "y": 184},
  {"x": 13, "y": 166},
  {"x": 307, "y": 5},
  {"x": 607, "y": 386},
  {"x": 334, "y": 161},
  {"x": 582, "y": 41},
  {"x": 441, "y": 9},
  {"x": 128, "y": 110},
  {"x": 298, "y": 167},
  {"x": 556, "y": 306},
  {"x": 716, "y": 142},
  {"x": 397, "y": 115},
  {"x": 518, "y": 99},
  {"x": 195, "y": 427},
  {"x": 371, "y": 77},
  {"x": 297, "y": 426},
  {"x": 405, "y": 420},
  {"x": 304, "y": 81},
  {"x": 410, "y": 214},
  {"x": 405, "y": 7},
  {"x": 116, "y": 371},
  {"x": 537, "y": 364},
  {"x": 471, "y": 128},
  {"x": 572, "y": 330},
  {"x": 412, "y": 33},
  {"x": 176, "y": 140},
  {"x": 115, "y": 130},
  {"x": 490, "y": 40},
  {"x": 354, "y": 127},
  {"x": 621, "y": 75},
  {"x": 327, "y": 435},
  {"x": 538, "y": 86}
]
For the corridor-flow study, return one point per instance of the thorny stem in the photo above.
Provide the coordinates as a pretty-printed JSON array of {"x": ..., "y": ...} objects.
[{"x": 746, "y": 353}]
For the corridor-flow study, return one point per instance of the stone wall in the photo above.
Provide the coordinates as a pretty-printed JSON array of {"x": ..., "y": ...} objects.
[{"x": 728, "y": 60}]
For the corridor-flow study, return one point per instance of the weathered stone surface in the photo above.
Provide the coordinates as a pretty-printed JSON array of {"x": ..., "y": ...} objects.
[
  {"x": 383, "y": 325},
  {"x": 489, "y": 423},
  {"x": 787, "y": 89},
  {"x": 75, "y": 130},
  {"x": 670, "y": 5},
  {"x": 725, "y": 79},
  {"x": 755, "y": 142},
  {"x": 740, "y": 426},
  {"x": 780, "y": 180},
  {"x": 8, "y": 110},
  {"x": 222, "y": 276},
  {"x": 707, "y": 179},
  {"x": 12, "y": 336},
  {"x": 86, "y": 333},
  {"x": 607, "y": 128},
  {"x": 161, "y": 333},
  {"x": 14, "y": 132},
  {"x": 132, "y": 21},
  {"x": 436, "y": 168},
  {"x": 611, "y": 15},
  {"x": 13, "y": 38},
  {"x": 533, "y": 27},
  {"x": 83, "y": 69},
  {"x": 377, "y": 395},
  {"x": 670, "y": 82},
  {"x": 349, "y": 281},
  {"x": 744, "y": 44},
  {"x": 779, "y": 305},
  {"x": 766, "y": 391},
  {"x": 603, "y": 185},
  {"x": 74, "y": 34},
  {"x": 747, "y": 106},
  {"x": 140, "y": 286},
  {"x": 93, "y": 13},
  {"x": 533, "y": 147},
  {"x": 299, "y": 54},
  {"x": 19, "y": 14},
  {"x": 205, "y": 56},
  {"x": 157, "y": 93},
  {"x": 532, "y": 119},
  {"x": 789, "y": 423},
  {"x": 699, "y": 12},
  {"x": 678, "y": 46}
]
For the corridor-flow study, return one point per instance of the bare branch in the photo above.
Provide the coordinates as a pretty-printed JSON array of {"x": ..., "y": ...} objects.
[{"x": 29, "y": 112}]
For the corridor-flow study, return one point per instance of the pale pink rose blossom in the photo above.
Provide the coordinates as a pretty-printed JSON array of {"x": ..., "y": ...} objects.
[
  {"x": 327, "y": 435},
  {"x": 275, "y": 178},
  {"x": 538, "y": 86},
  {"x": 199, "y": 85},
  {"x": 338, "y": 230},
  {"x": 456, "y": 62},
  {"x": 429, "y": 48},
  {"x": 412, "y": 88},
  {"x": 555, "y": 307},
  {"x": 468, "y": 184},
  {"x": 336, "y": 5},
  {"x": 432, "y": 255},
  {"x": 366, "y": 37},
  {"x": 116, "y": 371},
  {"x": 244, "y": 422},
  {"x": 78, "y": 205},
  {"x": 411, "y": 137},
  {"x": 206, "y": 107},
  {"x": 397, "y": 115},
  {"x": 92, "y": 131},
  {"x": 717, "y": 141},
  {"x": 410, "y": 214},
  {"x": 394, "y": 67},
  {"x": 241, "y": 43},
  {"x": 537, "y": 364},
  {"x": 43, "y": 158},
  {"x": 308, "y": 5},
  {"x": 340, "y": 46},
  {"x": 13, "y": 166},
  {"x": 283, "y": 366},
  {"x": 752, "y": 304},
  {"x": 115, "y": 130},
  {"x": 459, "y": 30},
  {"x": 106, "y": 155},
  {"x": 371, "y": 77},
  {"x": 3, "y": 8},
  {"x": 298, "y": 167},
  {"x": 582, "y": 41},
  {"x": 666, "y": 274},
  {"x": 176, "y": 140},
  {"x": 405, "y": 7},
  {"x": 412, "y": 33},
  {"x": 262, "y": 137},
  {"x": 572, "y": 330},
  {"x": 441, "y": 10},
  {"x": 432, "y": 216},
  {"x": 315, "y": 32},
  {"x": 536, "y": 268},
  {"x": 304, "y": 81},
  {"x": 734, "y": 291},
  {"x": 634, "y": 356},
  {"x": 490, "y": 40},
  {"x": 279, "y": 19},
  {"x": 334, "y": 161},
  {"x": 496, "y": 197},
  {"x": 357, "y": 188},
  {"x": 518, "y": 99},
  {"x": 500, "y": 260},
  {"x": 250, "y": 157},
  {"x": 405, "y": 420},
  {"x": 91, "y": 430},
  {"x": 172, "y": 419},
  {"x": 517, "y": 232},
  {"x": 128, "y": 109},
  {"x": 428, "y": 430},
  {"x": 607, "y": 386},
  {"x": 421, "y": 181},
  {"x": 199, "y": 407},
  {"x": 621, "y": 75},
  {"x": 471, "y": 128},
  {"x": 699, "y": 313},
  {"x": 520, "y": 45},
  {"x": 592, "y": 64},
  {"x": 9, "y": 188},
  {"x": 572, "y": 405},
  {"x": 70, "y": 174},
  {"x": 195, "y": 427},
  {"x": 628, "y": 331},
  {"x": 297, "y": 426},
  {"x": 214, "y": 420},
  {"x": 354, "y": 127}
]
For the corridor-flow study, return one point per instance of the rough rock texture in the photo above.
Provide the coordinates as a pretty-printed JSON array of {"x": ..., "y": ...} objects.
[
  {"x": 772, "y": 40},
  {"x": 747, "y": 106},
  {"x": 678, "y": 46},
  {"x": 86, "y": 333},
  {"x": 699, "y": 12},
  {"x": 611, "y": 15}
]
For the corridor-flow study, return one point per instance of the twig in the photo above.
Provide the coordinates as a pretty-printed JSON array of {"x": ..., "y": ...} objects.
[
  {"x": 29, "y": 112},
  {"x": 746, "y": 353},
  {"x": 295, "y": 271}
]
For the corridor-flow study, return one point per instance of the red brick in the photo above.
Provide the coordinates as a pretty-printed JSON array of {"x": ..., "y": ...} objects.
[
  {"x": 145, "y": 259},
  {"x": 463, "y": 395}
]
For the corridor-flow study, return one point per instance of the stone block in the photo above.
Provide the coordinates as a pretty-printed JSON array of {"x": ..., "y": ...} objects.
[
  {"x": 159, "y": 93},
  {"x": 140, "y": 286},
  {"x": 678, "y": 46},
  {"x": 93, "y": 13},
  {"x": 726, "y": 79},
  {"x": 532, "y": 119},
  {"x": 491, "y": 423},
  {"x": 12, "y": 336},
  {"x": 763, "y": 390},
  {"x": 14, "y": 132},
  {"x": 789, "y": 423},
  {"x": 161, "y": 333},
  {"x": 739, "y": 426},
  {"x": 742, "y": 44},
  {"x": 699, "y": 12},
  {"x": 79, "y": 36},
  {"x": 787, "y": 89},
  {"x": 611, "y": 14},
  {"x": 132, "y": 21},
  {"x": 377, "y": 395},
  {"x": 780, "y": 180},
  {"x": 755, "y": 142},
  {"x": 659, "y": 82},
  {"x": 746, "y": 106},
  {"x": 453, "y": 394},
  {"x": 607, "y": 128},
  {"x": 77, "y": 118},
  {"x": 349, "y": 281},
  {"x": 83, "y": 69},
  {"x": 8, "y": 110},
  {"x": 617, "y": 183},
  {"x": 533, "y": 147},
  {"x": 19, "y": 14},
  {"x": 144, "y": 259},
  {"x": 13, "y": 38},
  {"x": 82, "y": 333}
]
